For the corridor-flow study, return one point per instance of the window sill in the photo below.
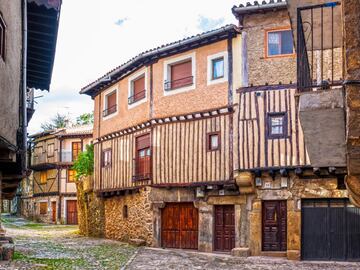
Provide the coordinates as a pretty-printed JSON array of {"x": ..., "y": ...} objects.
[
  {"x": 137, "y": 103},
  {"x": 178, "y": 90},
  {"x": 216, "y": 81},
  {"x": 109, "y": 116},
  {"x": 280, "y": 56},
  {"x": 141, "y": 177}
]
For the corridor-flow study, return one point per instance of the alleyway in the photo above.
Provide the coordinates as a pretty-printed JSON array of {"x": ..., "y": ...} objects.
[
  {"x": 48, "y": 247},
  {"x": 151, "y": 259}
]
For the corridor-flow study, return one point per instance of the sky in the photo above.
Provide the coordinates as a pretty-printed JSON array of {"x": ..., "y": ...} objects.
[{"x": 96, "y": 36}]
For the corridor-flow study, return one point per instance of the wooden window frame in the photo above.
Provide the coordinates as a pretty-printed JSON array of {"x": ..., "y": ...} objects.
[
  {"x": 72, "y": 150},
  {"x": 280, "y": 29},
  {"x": 40, "y": 208},
  {"x": 103, "y": 165},
  {"x": 284, "y": 134},
  {"x": 135, "y": 176},
  {"x": 208, "y": 141},
  {"x": 46, "y": 177},
  {"x": 105, "y": 112},
  {"x": 2, "y": 37},
  {"x": 68, "y": 176},
  {"x": 213, "y": 61},
  {"x": 132, "y": 100},
  {"x": 47, "y": 150}
]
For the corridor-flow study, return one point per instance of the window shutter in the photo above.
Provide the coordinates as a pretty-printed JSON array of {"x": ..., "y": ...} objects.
[
  {"x": 143, "y": 142},
  {"x": 139, "y": 86},
  {"x": 111, "y": 100},
  {"x": 180, "y": 71}
]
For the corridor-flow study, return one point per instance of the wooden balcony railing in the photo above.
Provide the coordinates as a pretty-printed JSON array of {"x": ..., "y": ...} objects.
[
  {"x": 136, "y": 97},
  {"x": 174, "y": 84},
  {"x": 142, "y": 168},
  {"x": 109, "y": 110}
]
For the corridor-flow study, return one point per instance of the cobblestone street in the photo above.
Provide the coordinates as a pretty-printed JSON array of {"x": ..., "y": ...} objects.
[
  {"x": 51, "y": 247},
  {"x": 151, "y": 259}
]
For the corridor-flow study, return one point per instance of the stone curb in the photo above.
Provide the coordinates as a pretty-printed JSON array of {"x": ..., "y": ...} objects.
[{"x": 131, "y": 259}]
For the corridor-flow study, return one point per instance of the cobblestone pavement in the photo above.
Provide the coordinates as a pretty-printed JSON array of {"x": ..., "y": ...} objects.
[
  {"x": 48, "y": 247},
  {"x": 150, "y": 258}
]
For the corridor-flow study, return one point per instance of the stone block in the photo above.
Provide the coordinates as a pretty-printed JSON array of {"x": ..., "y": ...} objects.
[
  {"x": 293, "y": 255},
  {"x": 240, "y": 252},
  {"x": 138, "y": 242},
  {"x": 8, "y": 251}
]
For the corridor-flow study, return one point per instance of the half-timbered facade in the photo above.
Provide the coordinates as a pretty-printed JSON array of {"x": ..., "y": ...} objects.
[
  {"x": 289, "y": 157},
  {"x": 50, "y": 191},
  {"x": 199, "y": 144},
  {"x": 164, "y": 142}
]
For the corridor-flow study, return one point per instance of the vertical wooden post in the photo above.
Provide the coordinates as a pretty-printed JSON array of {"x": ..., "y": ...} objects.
[{"x": 2, "y": 231}]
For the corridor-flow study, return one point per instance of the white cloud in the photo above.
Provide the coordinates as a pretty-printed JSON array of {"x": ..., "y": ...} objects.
[{"x": 90, "y": 42}]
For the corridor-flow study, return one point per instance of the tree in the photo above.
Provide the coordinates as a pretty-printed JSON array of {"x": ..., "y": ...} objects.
[
  {"x": 58, "y": 121},
  {"x": 85, "y": 119},
  {"x": 84, "y": 164}
]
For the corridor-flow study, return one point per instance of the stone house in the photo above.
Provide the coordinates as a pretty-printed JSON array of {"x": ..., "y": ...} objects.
[
  {"x": 199, "y": 144},
  {"x": 27, "y": 51},
  {"x": 49, "y": 193}
]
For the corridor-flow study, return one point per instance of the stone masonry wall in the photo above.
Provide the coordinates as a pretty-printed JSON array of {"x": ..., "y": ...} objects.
[{"x": 139, "y": 221}]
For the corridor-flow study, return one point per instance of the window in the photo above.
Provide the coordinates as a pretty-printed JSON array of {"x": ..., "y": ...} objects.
[
  {"x": 125, "y": 212},
  {"x": 43, "y": 177},
  {"x": 106, "y": 158},
  {"x": 277, "y": 125},
  {"x": 279, "y": 43},
  {"x": 43, "y": 208},
  {"x": 50, "y": 150},
  {"x": 142, "y": 157},
  {"x": 110, "y": 104},
  {"x": 137, "y": 89},
  {"x": 75, "y": 150},
  {"x": 179, "y": 74},
  {"x": 213, "y": 141},
  {"x": 2, "y": 38},
  {"x": 217, "y": 68},
  {"x": 71, "y": 176}
]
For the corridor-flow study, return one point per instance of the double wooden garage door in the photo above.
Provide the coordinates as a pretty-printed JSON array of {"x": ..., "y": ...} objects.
[
  {"x": 180, "y": 223},
  {"x": 330, "y": 230}
]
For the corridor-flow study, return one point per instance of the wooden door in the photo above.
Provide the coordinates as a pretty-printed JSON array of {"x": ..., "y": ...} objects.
[
  {"x": 53, "y": 211},
  {"x": 143, "y": 157},
  {"x": 71, "y": 212},
  {"x": 274, "y": 226},
  {"x": 179, "y": 226},
  {"x": 224, "y": 228}
]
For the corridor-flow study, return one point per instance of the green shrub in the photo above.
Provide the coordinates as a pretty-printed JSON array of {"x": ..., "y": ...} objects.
[{"x": 84, "y": 164}]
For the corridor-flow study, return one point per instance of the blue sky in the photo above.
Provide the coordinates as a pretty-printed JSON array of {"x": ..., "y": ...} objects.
[{"x": 96, "y": 36}]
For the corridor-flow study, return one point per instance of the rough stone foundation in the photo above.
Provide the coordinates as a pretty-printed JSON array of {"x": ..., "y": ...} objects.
[{"x": 137, "y": 223}]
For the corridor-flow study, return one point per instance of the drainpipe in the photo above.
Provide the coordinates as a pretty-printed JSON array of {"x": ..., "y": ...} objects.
[{"x": 23, "y": 89}]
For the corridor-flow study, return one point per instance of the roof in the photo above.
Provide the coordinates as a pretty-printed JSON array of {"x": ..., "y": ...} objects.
[
  {"x": 256, "y": 7},
  {"x": 154, "y": 54},
  {"x": 42, "y": 29},
  {"x": 79, "y": 130}
]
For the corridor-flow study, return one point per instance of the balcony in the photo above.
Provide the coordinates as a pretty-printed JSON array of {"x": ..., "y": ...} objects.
[
  {"x": 142, "y": 168},
  {"x": 319, "y": 80},
  {"x": 136, "y": 97},
  {"x": 44, "y": 161},
  {"x": 179, "y": 83},
  {"x": 110, "y": 111}
]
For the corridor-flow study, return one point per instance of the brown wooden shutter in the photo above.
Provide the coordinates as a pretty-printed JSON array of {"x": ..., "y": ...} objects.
[
  {"x": 181, "y": 74},
  {"x": 139, "y": 85},
  {"x": 43, "y": 208},
  {"x": 111, "y": 100},
  {"x": 143, "y": 142}
]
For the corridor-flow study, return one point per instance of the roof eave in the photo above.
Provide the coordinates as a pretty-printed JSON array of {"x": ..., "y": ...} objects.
[
  {"x": 93, "y": 88},
  {"x": 239, "y": 11}
]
